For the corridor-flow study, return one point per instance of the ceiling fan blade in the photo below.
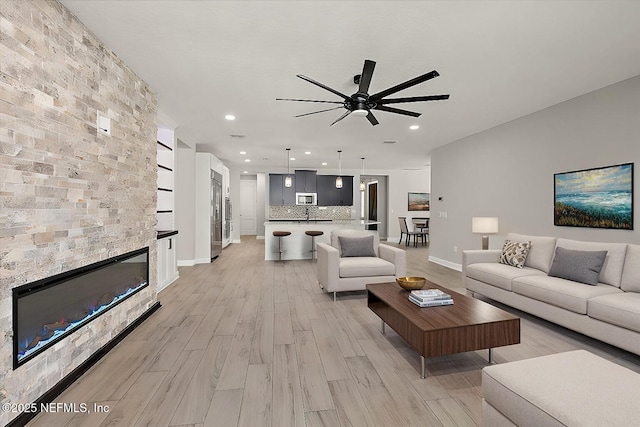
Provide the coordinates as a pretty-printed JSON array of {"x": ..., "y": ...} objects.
[
  {"x": 316, "y": 112},
  {"x": 397, "y": 111},
  {"x": 413, "y": 99},
  {"x": 341, "y": 95},
  {"x": 397, "y": 88},
  {"x": 365, "y": 77},
  {"x": 372, "y": 118},
  {"x": 308, "y": 100},
  {"x": 341, "y": 117}
]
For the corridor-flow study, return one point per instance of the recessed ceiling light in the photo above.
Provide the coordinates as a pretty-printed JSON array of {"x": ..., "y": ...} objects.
[
  {"x": 230, "y": 117},
  {"x": 324, "y": 163},
  {"x": 245, "y": 171},
  {"x": 414, "y": 127},
  {"x": 293, "y": 158},
  {"x": 307, "y": 152},
  {"x": 247, "y": 160},
  {"x": 243, "y": 152}
]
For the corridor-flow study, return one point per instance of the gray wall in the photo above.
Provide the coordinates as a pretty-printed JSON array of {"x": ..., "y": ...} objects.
[
  {"x": 507, "y": 171},
  {"x": 185, "y": 200}
]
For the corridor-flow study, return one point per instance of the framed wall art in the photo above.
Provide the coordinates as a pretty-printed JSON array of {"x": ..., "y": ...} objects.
[
  {"x": 418, "y": 201},
  {"x": 596, "y": 198}
]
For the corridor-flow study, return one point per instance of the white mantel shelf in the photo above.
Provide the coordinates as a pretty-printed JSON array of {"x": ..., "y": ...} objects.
[{"x": 298, "y": 244}]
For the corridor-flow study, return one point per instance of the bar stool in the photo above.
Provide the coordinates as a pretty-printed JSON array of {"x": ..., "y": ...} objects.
[
  {"x": 280, "y": 235},
  {"x": 313, "y": 234}
]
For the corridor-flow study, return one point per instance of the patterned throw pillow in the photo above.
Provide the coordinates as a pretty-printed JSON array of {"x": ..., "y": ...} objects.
[{"x": 514, "y": 253}]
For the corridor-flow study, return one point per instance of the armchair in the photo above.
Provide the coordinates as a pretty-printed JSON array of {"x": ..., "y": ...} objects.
[{"x": 341, "y": 269}]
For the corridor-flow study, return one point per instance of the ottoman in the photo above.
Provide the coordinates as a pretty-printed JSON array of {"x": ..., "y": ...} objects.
[{"x": 576, "y": 388}]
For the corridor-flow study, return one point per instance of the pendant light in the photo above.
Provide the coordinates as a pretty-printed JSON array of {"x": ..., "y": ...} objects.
[
  {"x": 362, "y": 183},
  {"x": 339, "y": 178},
  {"x": 287, "y": 179}
]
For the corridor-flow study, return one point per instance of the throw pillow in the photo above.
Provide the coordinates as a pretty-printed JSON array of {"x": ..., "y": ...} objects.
[
  {"x": 356, "y": 246},
  {"x": 514, "y": 253},
  {"x": 579, "y": 266}
]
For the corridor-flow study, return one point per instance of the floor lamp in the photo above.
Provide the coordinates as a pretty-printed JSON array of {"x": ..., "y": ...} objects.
[{"x": 484, "y": 226}]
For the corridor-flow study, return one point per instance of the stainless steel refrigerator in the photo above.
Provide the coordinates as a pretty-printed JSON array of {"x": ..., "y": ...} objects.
[{"x": 216, "y": 214}]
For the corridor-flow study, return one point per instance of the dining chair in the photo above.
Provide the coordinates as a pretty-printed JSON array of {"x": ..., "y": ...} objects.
[{"x": 402, "y": 221}]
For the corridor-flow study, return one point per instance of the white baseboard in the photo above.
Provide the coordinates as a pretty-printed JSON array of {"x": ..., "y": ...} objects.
[
  {"x": 203, "y": 260},
  {"x": 259, "y": 237},
  {"x": 236, "y": 241},
  {"x": 186, "y": 262},
  {"x": 444, "y": 262}
]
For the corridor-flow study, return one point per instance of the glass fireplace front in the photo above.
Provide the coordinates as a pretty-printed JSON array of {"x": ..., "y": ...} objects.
[{"x": 46, "y": 311}]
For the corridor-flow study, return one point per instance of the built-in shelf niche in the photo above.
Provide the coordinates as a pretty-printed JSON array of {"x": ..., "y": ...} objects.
[{"x": 166, "y": 183}]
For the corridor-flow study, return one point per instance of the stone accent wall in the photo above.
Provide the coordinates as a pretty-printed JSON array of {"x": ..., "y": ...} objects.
[{"x": 68, "y": 196}]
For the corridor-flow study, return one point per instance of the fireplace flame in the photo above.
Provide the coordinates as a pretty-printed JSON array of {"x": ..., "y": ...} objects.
[{"x": 51, "y": 331}]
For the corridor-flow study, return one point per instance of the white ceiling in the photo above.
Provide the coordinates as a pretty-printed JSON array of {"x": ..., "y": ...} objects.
[{"x": 499, "y": 60}]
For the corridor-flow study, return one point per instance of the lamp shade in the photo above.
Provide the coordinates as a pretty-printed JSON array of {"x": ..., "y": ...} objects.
[{"x": 484, "y": 225}]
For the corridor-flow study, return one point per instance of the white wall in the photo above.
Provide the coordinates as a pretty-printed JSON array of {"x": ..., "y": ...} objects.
[
  {"x": 193, "y": 181},
  {"x": 203, "y": 208},
  {"x": 262, "y": 198},
  {"x": 507, "y": 171},
  {"x": 185, "y": 199},
  {"x": 401, "y": 183}
]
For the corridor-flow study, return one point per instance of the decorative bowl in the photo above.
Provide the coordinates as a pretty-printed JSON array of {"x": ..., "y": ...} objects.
[{"x": 411, "y": 283}]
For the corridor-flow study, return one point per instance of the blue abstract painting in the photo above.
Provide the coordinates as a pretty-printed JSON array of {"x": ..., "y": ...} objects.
[{"x": 598, "y": 198}]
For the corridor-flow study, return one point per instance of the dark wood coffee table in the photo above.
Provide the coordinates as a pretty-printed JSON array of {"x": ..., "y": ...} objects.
[{"x": 467, "y": 325}]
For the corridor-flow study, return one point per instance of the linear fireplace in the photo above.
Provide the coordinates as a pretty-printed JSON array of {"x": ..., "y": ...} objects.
[{"x": 50, "y": 309}]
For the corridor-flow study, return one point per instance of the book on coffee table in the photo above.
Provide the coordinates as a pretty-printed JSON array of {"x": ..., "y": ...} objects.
[
  {"x": 424, "y": 295},
  {"x": 430, "y": 303}
]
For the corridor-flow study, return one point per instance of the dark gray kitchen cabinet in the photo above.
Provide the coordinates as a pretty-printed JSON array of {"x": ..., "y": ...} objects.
[
  {"x": 329, "y": 195},
  {"x": 280, "y": 195},
  {"x": 306, "y": 181},
  {"x": 346, "y": 192}
]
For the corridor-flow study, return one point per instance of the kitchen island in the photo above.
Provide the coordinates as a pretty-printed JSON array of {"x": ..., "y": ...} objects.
[{"x": 298, "y": 244}]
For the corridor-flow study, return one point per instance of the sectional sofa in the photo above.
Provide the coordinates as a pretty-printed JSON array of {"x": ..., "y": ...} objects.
[{"x": 608, "y": 310}]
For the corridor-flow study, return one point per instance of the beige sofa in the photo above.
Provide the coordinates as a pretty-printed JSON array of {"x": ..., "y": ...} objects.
[
  {"x": 609, "y": 311},
  {"x": 338, "y": 273}
]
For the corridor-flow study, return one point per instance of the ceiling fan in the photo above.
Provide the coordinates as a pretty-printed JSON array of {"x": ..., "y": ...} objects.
[{"x": 361, "y": 103}]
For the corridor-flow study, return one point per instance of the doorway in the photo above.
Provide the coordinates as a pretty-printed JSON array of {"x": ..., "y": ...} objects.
[
  {"x": 375, "y": 203},
  {"x": 372, "y": 209}
]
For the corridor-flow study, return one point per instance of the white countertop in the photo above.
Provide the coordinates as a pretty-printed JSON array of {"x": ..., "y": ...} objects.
[{"x": 303, "y": 222}]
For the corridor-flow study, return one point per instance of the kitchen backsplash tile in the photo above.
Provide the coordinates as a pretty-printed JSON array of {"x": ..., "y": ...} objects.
[{"x": 315, "y": 212}]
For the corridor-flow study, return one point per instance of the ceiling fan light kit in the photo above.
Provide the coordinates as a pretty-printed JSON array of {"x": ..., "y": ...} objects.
[{"x": 361, "y": 103}]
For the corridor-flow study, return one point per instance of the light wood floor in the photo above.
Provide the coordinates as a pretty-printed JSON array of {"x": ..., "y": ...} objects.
[{"x": 248, "y": 342}]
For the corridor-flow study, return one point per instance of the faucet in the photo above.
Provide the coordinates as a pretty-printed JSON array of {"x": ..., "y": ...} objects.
[{"x": 307, "y": 213}]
